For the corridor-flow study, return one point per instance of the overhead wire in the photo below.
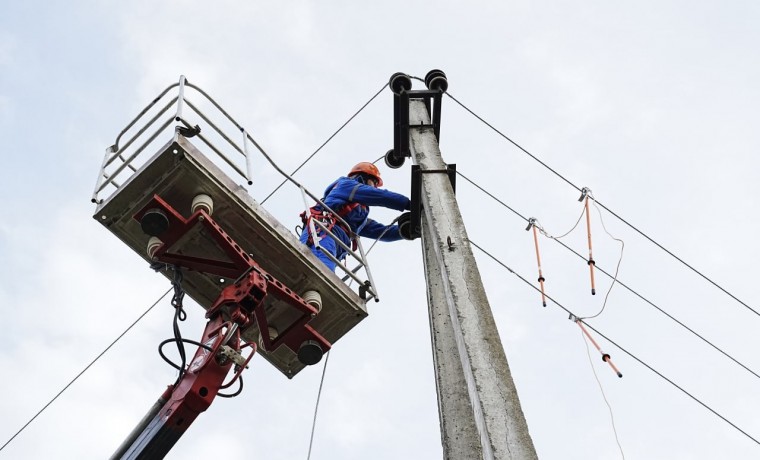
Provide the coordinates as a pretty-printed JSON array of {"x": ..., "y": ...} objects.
[
  {"x": 327, "y": 141},
  {"x": 351, "y": 118},
  {"x": 177, "y": 301},
  {"x": 622, "y": 284},
  {"x": 86, "y": 368},
  {"x": 563, "y": 178},
  {"x": 619, "y": 347},
  {"x": 537, "y": 224},
  {"x": 316, "y": 406}
]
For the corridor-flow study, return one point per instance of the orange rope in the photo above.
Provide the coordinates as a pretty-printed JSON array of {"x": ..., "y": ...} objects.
[
  {"x": 605, "y": 356},
  {"x": 591, "y": 262},
  {"x": 538, "y": 259}
]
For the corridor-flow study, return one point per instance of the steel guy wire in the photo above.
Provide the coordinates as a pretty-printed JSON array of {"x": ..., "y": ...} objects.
[
  {"x": 86, "y": 368},
  {"x": 606, "y": 208},
  {"x": 325, "y": 142},
  {"x": 628, "y": 288},
  {"x": 619, "y": 347}
]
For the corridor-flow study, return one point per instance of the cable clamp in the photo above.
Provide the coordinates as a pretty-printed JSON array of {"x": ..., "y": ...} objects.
[
  {"x": 531, "y": 223},
  {"x": 591, "y": 262},
  {"x": 573, "y": 318},
  {"x": 585, "y": 191}
]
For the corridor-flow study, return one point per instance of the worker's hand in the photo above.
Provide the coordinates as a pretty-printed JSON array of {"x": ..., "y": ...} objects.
[{"x": 408, "y": 206}]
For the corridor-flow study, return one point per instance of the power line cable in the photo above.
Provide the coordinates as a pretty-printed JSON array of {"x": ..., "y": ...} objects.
[
  {"x": 628, "y": 288},
  {"x": 619, "y": 347},
  {"x": 605, "y": 207},
  {"x": 86, "y": 368},
  {"x": 316, "y": 406},
  {"x": 325, "y": 142}
]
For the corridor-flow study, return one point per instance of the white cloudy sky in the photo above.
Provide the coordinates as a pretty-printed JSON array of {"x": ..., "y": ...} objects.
[{"x": 653, "y": 105}]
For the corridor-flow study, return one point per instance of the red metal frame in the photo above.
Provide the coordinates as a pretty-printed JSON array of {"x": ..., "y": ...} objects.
[{"x": 243, "y": 303}]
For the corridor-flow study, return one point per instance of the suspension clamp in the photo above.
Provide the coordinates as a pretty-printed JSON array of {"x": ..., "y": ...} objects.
[
  {"x": 531, "y": 223},
  {"x": 584, "y": 193}
]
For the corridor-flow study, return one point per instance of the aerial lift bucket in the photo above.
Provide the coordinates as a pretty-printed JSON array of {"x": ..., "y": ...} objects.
[{"x": 187, "y": 180}]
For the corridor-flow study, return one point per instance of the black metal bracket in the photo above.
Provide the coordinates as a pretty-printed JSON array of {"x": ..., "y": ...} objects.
[
  {"x": 432, "y": 101},
  {"x": 416, "y": 195},
  {"x": 401, "y": 86}
]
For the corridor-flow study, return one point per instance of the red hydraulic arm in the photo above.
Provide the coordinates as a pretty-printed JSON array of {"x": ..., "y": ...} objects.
[{"x": 241, "y": 302}]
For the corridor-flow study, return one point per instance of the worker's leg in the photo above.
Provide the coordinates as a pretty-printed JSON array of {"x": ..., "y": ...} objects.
[{"x": 326, "y": 244}]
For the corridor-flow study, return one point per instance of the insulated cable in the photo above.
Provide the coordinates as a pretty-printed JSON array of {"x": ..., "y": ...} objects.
[
  {"x": 629, "y": 289},
  {"x": 316, "y": 406},
  {"x": 604, "y": 396},
  {"x": 606, "y": 208},
  {"x": 85, "y": 369},
  {"x": 325, "y": 142},
  {"x": 619, "y": 347},
  {"x": 179, "y": 315},
  {"x": 620, "y": 259}
]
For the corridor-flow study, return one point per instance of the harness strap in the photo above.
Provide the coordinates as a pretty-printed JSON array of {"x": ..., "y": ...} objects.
[{"x": 329, "y": 218}]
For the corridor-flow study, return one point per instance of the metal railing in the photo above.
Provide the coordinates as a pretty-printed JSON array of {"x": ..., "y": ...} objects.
[{"x": 122, "y": 161}]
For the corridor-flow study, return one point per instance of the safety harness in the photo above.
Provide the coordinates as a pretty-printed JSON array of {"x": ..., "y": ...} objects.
[{"x": 328, "y": 219}]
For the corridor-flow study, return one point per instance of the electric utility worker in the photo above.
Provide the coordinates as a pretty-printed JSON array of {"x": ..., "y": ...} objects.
[{"x": 350, "y": 198}]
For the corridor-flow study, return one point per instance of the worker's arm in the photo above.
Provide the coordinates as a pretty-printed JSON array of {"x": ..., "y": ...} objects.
[
  {"x": 349, "y": 190},
  {"x": 376, "y": 230}
]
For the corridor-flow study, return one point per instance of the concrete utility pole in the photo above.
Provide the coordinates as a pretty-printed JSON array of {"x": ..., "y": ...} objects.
[{"x": 480, "y": 412}]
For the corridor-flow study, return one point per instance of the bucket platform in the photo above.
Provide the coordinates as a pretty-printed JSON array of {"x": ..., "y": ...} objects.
[{"x": 178, "y": 172}]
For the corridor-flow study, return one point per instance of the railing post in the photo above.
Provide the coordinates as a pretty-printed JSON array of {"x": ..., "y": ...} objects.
[
  {"x": 180, "y": 98},
  {"x": 109, "y": 151}
]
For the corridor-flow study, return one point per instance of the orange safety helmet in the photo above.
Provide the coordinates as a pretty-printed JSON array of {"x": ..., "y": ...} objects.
[{"x": 369, "y": 169}]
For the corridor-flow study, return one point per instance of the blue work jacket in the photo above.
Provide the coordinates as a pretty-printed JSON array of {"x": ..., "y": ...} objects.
[{"x": 345, "y": 191}]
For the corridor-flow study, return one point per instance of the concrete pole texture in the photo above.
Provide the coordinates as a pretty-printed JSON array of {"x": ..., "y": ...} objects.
[{"x": 480, "y": 412}]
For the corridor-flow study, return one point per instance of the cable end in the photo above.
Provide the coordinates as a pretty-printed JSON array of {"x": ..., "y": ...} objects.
[
  {"x": 620, "y": 374},
  {"x": 593, "y": 291}
]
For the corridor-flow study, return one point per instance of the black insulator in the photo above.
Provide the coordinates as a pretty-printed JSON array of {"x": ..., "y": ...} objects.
[
  {"x": 310, "y": 353},
  {"x": 591, "y": 262},
  {"x": 400, "y": 83},
  {"x": 541, "y": 279},
  {"x": 154, "y": 222},
  {"x": 436, "y": 80},
  {"x": 392, "y": 160},
  {"x": 605, "y": 357},
  {"x": 405, "y": 226}
]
